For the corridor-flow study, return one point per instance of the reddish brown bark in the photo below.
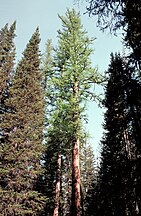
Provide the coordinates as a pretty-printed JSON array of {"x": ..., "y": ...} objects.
[
  {"x": 76, "y": 198},
  {"x": 75, "y": 179},
  {"x": 57, "y": 189}
]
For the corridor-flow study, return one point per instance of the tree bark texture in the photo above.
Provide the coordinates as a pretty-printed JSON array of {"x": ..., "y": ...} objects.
[{"x": 76, "y": 198}]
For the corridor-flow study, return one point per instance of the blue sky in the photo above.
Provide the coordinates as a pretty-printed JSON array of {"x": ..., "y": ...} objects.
[{"x": 44, "y": 13}]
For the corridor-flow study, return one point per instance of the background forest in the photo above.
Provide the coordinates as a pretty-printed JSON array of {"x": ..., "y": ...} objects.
[{"x": 47, "y": 166}]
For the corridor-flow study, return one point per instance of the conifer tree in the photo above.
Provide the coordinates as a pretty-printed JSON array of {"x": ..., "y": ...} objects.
[
  {"x": 70, "y": 84},
  {"x": 7, "y": 57},
  {"x": 74, "y": 52},
  {"x": 120, "y": 14},
  {"x": 23, "y": 125},
  {"x": 49, "y": 177},
  {"x": 132, "y": 13},
  {"x": 117, "y": 193},
  {"x": 56, "y": 168},
  {"x": 88, "y": 173}
]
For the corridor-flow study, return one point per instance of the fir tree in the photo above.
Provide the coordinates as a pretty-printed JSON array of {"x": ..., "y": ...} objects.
[
  {"x": 117, "y": 193},
  {"x": 7, "y": 54},
  {"x": 7, "y": 57},
  {"x": 23, "y": 126}
]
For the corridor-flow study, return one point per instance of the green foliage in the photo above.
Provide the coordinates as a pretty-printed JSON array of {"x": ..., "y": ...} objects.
[
  {"x": 116, "y": 188},
  {"x": 23, "y": 127},
  {"x": 88, "y": 173},
  {"x": 7, "y": 57},
  {"x": 132, "y": 13},
  {"x": 125, "y": 15},
  {"x": 69, "y": 76}
]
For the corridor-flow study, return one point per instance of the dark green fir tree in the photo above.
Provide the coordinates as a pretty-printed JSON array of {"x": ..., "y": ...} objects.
[
  {"x": 23, "y": 125},
  {"x": 117, "y": 192}
]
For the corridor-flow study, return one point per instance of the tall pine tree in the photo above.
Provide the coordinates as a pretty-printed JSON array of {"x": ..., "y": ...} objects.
[{"x": 70, "y": 86}]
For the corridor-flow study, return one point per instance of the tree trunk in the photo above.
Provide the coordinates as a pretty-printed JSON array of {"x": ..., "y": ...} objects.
[
  {"x": 75, "y": 179},
  {"x": 76, "y": 199},
  {"x": 57, "y": 189}
]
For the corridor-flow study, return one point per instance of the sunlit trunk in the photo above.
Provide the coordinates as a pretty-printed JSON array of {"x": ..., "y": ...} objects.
[
  {"x": 75, "y": 179},
  {"x": 76, "y": 199}
]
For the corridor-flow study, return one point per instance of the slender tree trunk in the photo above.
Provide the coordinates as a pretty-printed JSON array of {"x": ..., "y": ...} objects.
[
  {"x": 57, "y": 189},
  {"x": 76, "y": 199},
  {"x": 75, "y": 179}
]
